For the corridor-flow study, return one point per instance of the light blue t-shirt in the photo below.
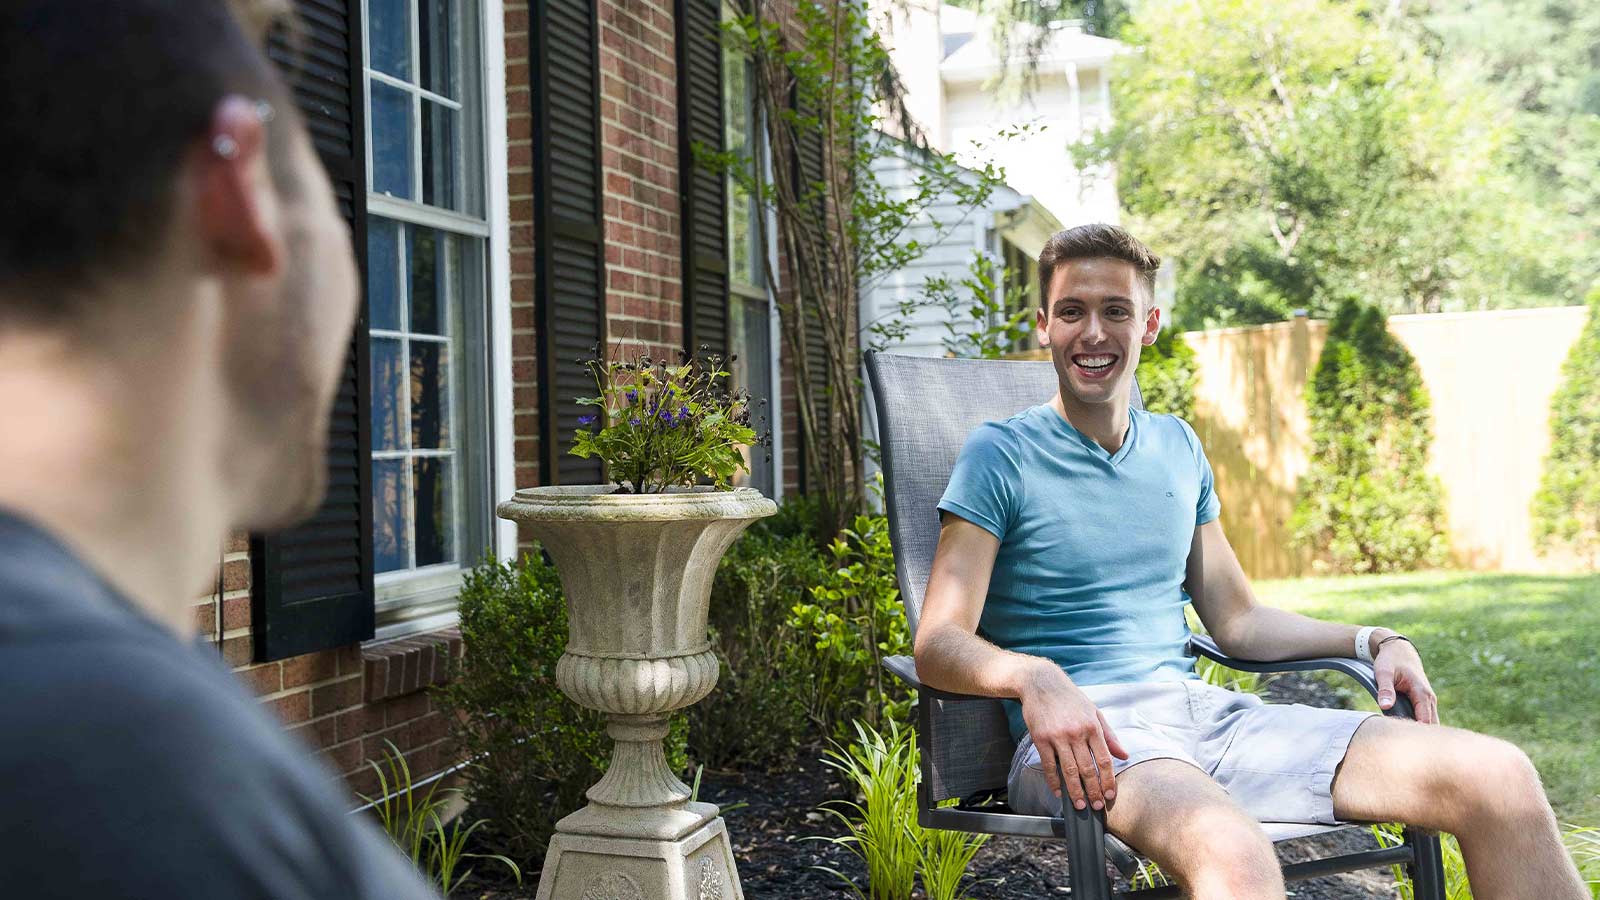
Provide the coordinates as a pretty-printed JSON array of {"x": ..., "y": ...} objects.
[{"x": 1093, "y": 545}]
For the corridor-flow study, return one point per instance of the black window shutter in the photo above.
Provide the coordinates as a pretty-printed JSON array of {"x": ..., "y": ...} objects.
[
  {"x": 704, "y": 192},
  {"x": 568, "y": 228},
  {"x": 808, "y": 165},
  {"x": 312, "y": 586}
]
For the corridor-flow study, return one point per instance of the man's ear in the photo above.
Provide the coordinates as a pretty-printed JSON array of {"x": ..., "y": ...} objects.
[
  {"x": 1152, "y": 325},
  {"x": 1041, "y": 327},
  {"x": 236, "y": 212}
]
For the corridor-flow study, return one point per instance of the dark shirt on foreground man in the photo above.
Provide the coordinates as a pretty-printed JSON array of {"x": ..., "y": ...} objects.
[{"x": 135, "y": 765}]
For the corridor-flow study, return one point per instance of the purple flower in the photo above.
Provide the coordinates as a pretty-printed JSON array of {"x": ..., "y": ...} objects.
[
  {"x": 683, "y": 411},
  {"x": 633, "y": 396},
  {"x": 634, "y": 420},
  {"x": 586, "y": 420}
]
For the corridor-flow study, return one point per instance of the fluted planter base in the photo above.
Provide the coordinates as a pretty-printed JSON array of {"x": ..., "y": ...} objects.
[{"x": 696, "y": 866}]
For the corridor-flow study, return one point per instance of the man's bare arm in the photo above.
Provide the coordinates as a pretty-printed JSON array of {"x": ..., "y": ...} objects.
[
  {"x": 1064, "y": 724},
  {"x": 950, "y": 655},
  {"x": 1245, "y": 629}
]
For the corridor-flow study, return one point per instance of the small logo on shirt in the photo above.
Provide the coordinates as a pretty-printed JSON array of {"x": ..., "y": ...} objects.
[{"x": 1169, "y": 493}]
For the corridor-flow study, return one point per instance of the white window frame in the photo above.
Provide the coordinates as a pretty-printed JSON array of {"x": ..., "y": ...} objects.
[{"x": 416, "y": 600}]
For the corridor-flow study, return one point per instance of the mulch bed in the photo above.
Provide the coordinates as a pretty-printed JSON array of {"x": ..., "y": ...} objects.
[{"x": 777, "y": 860}]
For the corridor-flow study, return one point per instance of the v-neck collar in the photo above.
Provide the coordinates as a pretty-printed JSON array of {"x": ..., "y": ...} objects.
[{"x": 1088, "y": 443}]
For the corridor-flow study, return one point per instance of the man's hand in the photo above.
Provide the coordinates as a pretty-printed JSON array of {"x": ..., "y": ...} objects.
[
  {"x": 1399, "y": 668},
  {"x": 1066, "y": 727}
]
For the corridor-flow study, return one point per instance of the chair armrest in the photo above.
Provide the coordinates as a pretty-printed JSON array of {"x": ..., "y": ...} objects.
[
  {"x": 1361, "y": 672},
  {"x": 905, "y": 669}
]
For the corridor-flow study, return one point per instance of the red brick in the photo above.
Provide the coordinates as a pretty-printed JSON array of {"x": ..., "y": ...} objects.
[
  {"x": 309, "y": 669},
  {"x": 346, "y": 757},
  {"x": 349, "y": 659},
  {"x": 404, "y": 709},
  {"x": 360, "y": 722},
  {"x": 335, "y": 697},
  {"x": 266, "y": 679},
  {"x": 237, "y": 651},
  {"x": 236, "y": 575},
  {"x": 235, "y": 613},
  {"x": 318, "y": 733},
  {"x": 291, "y": 708}
]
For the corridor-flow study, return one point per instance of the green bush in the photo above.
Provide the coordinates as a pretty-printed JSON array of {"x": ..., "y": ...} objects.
[
  {"x": 1167, "y": 375},
  {"x": 853, "y": 620},
  {"x": 1368, "y": 503},
  {"x": 1566, "y": 509},
  {"x": 757, "y": 715},
  {"x": 534, "y": 751}
]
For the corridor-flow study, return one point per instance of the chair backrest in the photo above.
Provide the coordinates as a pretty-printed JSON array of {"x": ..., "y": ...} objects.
[{"x": 926, "y": 407}]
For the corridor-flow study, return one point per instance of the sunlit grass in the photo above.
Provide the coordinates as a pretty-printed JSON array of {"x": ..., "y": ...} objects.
[{"x": 1510, "y": 655}]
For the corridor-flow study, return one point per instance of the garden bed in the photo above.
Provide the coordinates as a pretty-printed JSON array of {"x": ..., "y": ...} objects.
[{"x": 774, "y": 840}]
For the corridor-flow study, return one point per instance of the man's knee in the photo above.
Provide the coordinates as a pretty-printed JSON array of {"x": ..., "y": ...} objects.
[
  {"x": 1492, "y": 779},
  {"x": 1227, "y": 851}
]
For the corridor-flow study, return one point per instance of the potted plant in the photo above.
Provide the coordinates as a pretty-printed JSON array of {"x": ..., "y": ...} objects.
[{"x": 636, "y": 559}]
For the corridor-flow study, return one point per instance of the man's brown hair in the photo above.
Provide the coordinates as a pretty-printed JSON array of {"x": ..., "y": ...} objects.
[
  {"x": 1097, "y": 241},
  {"x": 100, "y": 99}
]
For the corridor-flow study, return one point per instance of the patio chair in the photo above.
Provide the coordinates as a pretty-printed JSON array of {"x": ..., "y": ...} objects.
[{"x": 925, "y": 410}]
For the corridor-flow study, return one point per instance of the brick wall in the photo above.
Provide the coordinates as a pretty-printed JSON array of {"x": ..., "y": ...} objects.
[{"x": 639, "y": 128}]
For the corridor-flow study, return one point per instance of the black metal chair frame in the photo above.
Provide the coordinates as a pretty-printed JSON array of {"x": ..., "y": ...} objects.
[{"x": 1089, "y": 847}]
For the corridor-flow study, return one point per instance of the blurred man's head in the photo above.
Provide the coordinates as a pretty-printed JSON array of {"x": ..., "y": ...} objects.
[
  {"x": 163, "y": 191},
  {"x": 1097, "y": 309}
]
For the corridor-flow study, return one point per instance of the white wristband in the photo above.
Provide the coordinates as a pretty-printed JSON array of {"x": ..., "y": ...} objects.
[{"x": 1364, "y": 643}]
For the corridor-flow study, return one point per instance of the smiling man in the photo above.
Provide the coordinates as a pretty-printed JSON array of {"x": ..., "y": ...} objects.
[{"x": 1073, "y": 535}]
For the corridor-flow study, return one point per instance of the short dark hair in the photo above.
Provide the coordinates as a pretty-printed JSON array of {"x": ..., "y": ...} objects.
[
  {"x": 100, "y": 98},
  {"x": 1097, "y": 241}
]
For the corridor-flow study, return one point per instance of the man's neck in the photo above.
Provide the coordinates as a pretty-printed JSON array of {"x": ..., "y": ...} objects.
[
  {"x": 114, "y": 470},
  {"x": 1104, "y": 423}
]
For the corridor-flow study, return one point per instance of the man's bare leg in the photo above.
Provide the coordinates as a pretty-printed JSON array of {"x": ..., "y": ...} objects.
[
  {"x": 1481, "y": 789},
  {"x": 1175, "y": 814}
]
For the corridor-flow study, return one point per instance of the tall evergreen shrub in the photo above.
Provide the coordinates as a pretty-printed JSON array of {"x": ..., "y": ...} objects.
[
  {"x": 1566, "y": 509},
  {"x": 1368, "y": 503}
]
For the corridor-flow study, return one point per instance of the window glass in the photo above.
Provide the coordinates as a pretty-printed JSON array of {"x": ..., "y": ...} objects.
[
  {"x": 389, "y": 36},
  {"x": 438, "y": 34},
  {"x": 391, "y": 141},
  {"x": 388, "y": 392},
  {"x": 391, "y": 547},
  {"x": 383, "y": 274}
]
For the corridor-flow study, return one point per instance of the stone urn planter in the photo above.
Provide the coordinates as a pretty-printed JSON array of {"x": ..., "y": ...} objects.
[{"x": 637, "y": 570}]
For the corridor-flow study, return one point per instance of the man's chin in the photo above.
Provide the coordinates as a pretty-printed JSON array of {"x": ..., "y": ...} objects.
[{"x": 287, "y": 502}]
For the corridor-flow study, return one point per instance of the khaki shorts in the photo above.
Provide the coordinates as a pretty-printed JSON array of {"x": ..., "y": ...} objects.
[{"x": 1275, "y": 760}]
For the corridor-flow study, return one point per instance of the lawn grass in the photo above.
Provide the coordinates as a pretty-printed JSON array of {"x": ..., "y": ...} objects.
[{"x": 1509, "y": 655}]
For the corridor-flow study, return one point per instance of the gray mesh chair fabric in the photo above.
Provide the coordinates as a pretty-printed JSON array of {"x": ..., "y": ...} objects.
[{"x": 926, "y": 408}]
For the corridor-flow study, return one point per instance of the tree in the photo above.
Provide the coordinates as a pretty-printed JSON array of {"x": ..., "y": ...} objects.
[
  {"x": 1566, "y": 509},
  {"x": 1290, "y": 155},
  {"x": 831, "y": 108},
  {"x": 1368, "y": 503}
]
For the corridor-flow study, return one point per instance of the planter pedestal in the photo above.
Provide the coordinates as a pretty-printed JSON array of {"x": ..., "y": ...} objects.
[{"x": 636, "y": 571}]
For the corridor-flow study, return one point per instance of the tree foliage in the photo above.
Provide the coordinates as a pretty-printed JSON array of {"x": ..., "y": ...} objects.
[
  {"x": 828, "y": 98},
  {"x": 1296, "y": 153},
  {"x": 1566, "y": 508},
  {"x": 1368, "y": 503}
]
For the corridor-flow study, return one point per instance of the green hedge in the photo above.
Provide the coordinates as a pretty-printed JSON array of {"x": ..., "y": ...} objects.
[
  {"x": 1566, "y": 509},
  {"x": 1368, "y": 503}
]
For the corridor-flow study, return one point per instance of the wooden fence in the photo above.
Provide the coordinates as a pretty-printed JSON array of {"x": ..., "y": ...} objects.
[{"x": 1490, "y": 376}]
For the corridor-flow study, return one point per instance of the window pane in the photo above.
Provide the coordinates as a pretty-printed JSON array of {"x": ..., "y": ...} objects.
[
  {"x": 440, "y": 159},
  {"x": 389, "y": 32},
  {"x": 391, "y": 141},
  {"x": 435, "y": 517},
  {"x": 383, "y": 274},
  {"x": 740, "y": 236},
  {"x": 387, "y": 372},
  {"x": 438, "y": 36},
  {"x": 426, "y": 249},
  {"x": 391, "y": 547},
  {"x": 430, "y": 396}
]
